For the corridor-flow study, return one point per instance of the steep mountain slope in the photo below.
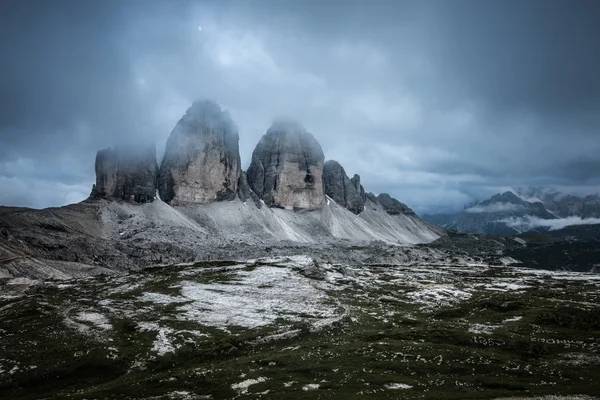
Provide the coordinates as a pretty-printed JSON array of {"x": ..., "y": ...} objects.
[{"x": 99, "y": 235}]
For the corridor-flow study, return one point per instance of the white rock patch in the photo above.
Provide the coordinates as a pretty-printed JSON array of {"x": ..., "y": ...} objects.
[
  {"x": 97, "y": 319},
  {"x": 439, "y": 295},
  {"x": 482, "y": 329},
  {"x": 162, "y": 344},
  {"x": 243, "y": 386},
  {"x": 396, "y": 386},
  {"x": 256, "y": 298},
  {"x": 513, "y": 319},
  {"x": 310, "y": 386}
]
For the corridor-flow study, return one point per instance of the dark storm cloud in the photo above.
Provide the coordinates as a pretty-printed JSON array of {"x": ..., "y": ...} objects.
[
  {"x": 436, "y": 102},
  {"x": 535, "y": 55}
]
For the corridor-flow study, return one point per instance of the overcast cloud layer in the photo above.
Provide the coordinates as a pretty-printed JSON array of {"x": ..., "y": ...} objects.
[{"x": 436, "y": 102}]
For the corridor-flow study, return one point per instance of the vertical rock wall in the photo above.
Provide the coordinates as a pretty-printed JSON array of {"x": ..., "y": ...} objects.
[{"x": 287, "y": 168}]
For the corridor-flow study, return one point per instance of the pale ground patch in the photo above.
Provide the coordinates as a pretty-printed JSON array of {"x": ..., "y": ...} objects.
[
  {"x": 256, "y": 298},
  {"x": 97, "y": 319},
  {"x": 513, "y": 319},
  {"x": 396, "y": 386},
  {"x": 438, "y": 295},
  {"x": 162, "y": 344},
  {"x": 242, "y": 387},
  {"x": 160, "y": 298},
  {"x": 311, "y": 386},
  {"x": 482, "y": 328}
]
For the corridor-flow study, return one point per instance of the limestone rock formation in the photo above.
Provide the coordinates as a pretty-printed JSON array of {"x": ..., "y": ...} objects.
[
  {"x": 202, "y": 158},
  {"x": 359, "y": 188},
  {"x": 393, "y": 206},
  {"x": 244, "y": 192},
  {"x": 126, "y": 173},
  {"x": 287, "y": 167},
  {"x": 341, "y": 188}
]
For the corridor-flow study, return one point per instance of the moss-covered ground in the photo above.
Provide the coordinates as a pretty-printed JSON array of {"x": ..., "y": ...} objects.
[{"x": 410, "y": 332}]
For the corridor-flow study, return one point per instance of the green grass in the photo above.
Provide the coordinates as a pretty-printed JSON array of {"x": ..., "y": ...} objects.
[{"x": 376, "y": 344}]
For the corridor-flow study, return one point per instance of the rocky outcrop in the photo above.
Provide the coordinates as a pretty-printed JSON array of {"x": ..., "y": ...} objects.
[
  {"x": 342, "y": 189},
  {"x": 202, "y": 158},
  {"x": 126, "y": 173},
  {"x": 359, "y": 188},
  {"x": 202, "y": 165},
  {"x": 393, "y": 206},
  {"x": 244, "y": 192},
  {"x": 287, "y": 167}
]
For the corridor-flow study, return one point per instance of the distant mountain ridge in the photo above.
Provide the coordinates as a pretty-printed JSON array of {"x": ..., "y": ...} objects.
[
  {"x": 563, "y": 205},
  {"x": 522, "y": 210}
]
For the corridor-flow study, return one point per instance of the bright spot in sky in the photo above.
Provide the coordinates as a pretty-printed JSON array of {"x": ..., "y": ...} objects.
[{"x": 199, "y": 28}]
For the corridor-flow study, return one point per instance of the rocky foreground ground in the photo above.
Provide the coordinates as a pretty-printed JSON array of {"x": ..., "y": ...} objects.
[{"x": 296, "y": 328}]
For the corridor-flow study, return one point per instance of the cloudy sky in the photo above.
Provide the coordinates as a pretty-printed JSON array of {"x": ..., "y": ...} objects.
[{"x": 436, "y": 102}]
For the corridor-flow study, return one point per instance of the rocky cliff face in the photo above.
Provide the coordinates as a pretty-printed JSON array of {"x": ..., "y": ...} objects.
[
  {"x": 342, "y": 189},
  {"x": 393, "y": 206},
  {"x": 126, "y": 173},
  {"x": 359, "y": 188},
  {"x": 244, "y": 192},
  {"x": 202, "y": 158},
  {"x": 287, "y": 167},
  {"x": 202, "y": 165}
]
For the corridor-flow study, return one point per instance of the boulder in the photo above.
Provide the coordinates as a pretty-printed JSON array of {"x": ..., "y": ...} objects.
[
  {"x": 202, "y": 157},
  {"x": 287, "y": 167}
]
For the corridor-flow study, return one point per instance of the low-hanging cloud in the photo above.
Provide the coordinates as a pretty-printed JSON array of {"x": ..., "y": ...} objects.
[
  {"x": 496, "y": 207},
  {"x": 529, "y": 222}
]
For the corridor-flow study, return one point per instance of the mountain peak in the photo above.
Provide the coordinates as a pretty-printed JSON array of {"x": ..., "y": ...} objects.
[
  {"x": 287, "y": 125},
  {"x": 202, "y": 157},
  {"x": 287, "y": 168}
]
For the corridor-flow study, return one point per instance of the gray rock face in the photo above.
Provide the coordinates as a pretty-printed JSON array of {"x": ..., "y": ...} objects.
[
  {"x": 244, "y": 192},
  {"x": 126, "y": 173},
  {"x": 359, "y": 188},
  {"x": 202, "y": 157},
  {"x": 393, "y": 206},
  {"x": 341, "y": 188},
  {"x": 287, "y": 167}
]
